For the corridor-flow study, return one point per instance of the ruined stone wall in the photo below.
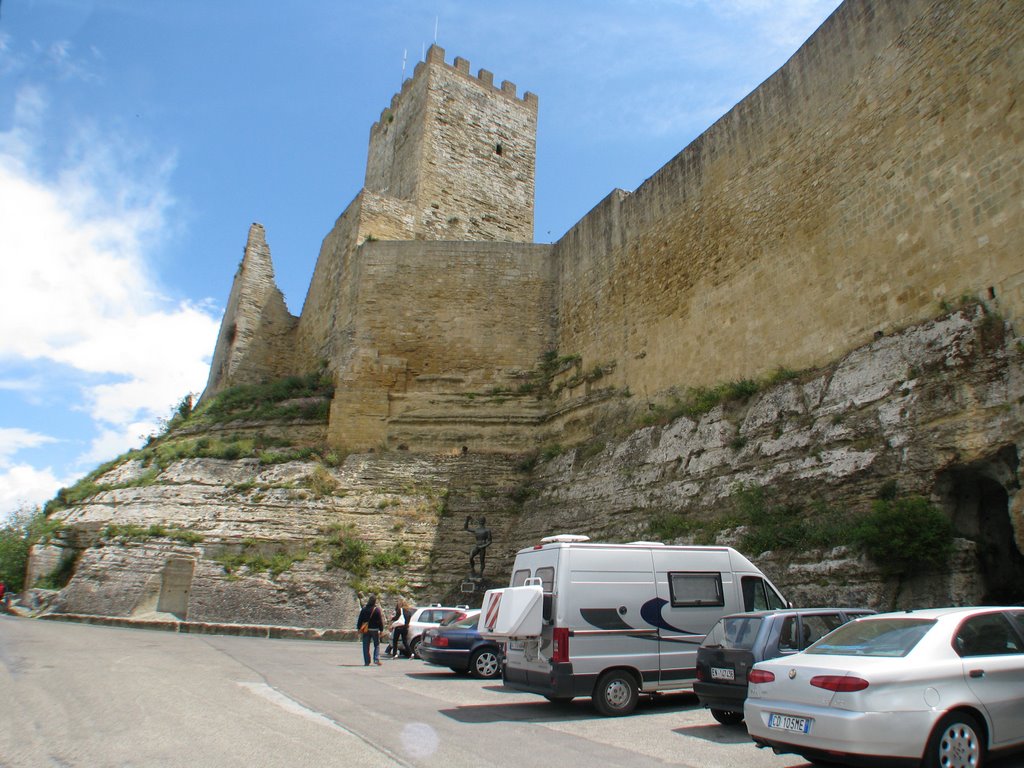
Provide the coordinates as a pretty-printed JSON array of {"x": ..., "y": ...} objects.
[
  {"x": 256, "y": 338},
  {"x": 875, "y": 175}
]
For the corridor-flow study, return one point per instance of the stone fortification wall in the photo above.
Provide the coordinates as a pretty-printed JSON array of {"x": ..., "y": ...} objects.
[
  {"x": 460, "y": 150},
  {"x": 875, "y": 175},
  {"x": 459, "y": 317}
]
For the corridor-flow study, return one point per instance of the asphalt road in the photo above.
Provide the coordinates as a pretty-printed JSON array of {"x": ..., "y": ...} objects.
[{"x": 83, "y": 696}]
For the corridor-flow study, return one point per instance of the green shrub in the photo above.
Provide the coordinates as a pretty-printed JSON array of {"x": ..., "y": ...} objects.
[
  {"x": 395, "y": 556},
  {"x": 346, "y": 550},
  {"x": 906, "y": 535}
]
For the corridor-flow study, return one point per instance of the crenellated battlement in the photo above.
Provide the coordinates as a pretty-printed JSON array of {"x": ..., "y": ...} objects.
[{"x": 436, "y": 56}]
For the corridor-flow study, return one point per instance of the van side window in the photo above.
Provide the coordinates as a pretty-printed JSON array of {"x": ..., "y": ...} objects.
[
  {"x": 759, "y": 596},
  {"x": 519, "y": 577},
  {"x": 547, "y": 584},
  {"x": 695, "y": 589}
]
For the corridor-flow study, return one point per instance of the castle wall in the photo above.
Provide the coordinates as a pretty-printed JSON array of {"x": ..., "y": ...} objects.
[
  {"x": 326, "y": 315},
  {"x": 877, "y": 174},
  {"x": 469, "y": 315}
]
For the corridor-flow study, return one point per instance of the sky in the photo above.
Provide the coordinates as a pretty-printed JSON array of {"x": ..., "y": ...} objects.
[{"x": 139, "y": 139}]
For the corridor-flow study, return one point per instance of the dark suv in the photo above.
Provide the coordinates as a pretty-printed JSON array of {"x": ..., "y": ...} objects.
[{"x": 739, "y": 641}]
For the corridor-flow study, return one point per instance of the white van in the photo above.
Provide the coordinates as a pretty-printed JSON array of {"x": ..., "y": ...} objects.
[{"x": 611, "y": 621}]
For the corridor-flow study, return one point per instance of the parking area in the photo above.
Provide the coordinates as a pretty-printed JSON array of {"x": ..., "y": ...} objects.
[{"x": 103, "y": 696}]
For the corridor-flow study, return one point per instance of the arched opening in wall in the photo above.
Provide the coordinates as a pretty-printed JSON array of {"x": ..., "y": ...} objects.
[
  {"x": 977, "y": 497},
  {"x": 175, "y": 586}
]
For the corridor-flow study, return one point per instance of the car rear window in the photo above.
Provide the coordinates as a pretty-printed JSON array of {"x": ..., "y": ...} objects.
[
  {"x": 468, "y": 622},
  {"x": 874, "y": 637},
  {"x": 733, "y": 632}
]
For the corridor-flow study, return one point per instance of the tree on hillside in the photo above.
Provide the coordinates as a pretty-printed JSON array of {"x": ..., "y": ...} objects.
[{"x": 21, "y": 530}]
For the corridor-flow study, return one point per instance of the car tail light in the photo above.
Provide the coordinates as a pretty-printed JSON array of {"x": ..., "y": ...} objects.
[
  {"x": 700, "y": 673},
  {"x": 560, "y": 644},
  {"x": 439, "y": 641},
  {"x": 760, "y": 676},
  {"x": 839, "y": 683}
]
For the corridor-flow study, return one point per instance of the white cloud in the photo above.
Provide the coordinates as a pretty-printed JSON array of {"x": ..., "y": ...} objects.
[
  {"x": 76, "y": 243},
  {"x": 25, "y": 486},
  {"x": 14, "y": 439}
]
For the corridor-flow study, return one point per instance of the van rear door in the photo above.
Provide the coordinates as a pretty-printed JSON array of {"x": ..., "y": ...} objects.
[{"x": 530, "y": 656}]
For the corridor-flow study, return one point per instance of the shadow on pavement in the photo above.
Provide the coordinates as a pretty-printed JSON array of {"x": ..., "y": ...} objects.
[
  {"x": 578, "y": 709},
  {"x": 717, "y": 734}
]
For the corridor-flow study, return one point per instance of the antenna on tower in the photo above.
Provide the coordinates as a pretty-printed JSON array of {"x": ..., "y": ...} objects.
[
  {"x": 405, "y": 53},
  {"x": 435, "y": 30}
]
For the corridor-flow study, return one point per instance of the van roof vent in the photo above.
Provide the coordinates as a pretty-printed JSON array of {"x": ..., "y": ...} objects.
[
  {"x": 649, "y": 543},
  {"x": 564, "y": 538}
]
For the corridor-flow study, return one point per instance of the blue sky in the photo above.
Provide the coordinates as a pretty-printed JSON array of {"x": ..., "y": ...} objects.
[{"x": 140, "y": 138}]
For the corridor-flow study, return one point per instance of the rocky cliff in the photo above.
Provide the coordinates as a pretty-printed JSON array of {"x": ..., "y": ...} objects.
[{"x": 253, "y": 520}]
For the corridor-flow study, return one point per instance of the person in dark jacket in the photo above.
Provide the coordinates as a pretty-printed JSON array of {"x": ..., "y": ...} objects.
[
  {"x": 400, "y": 628},
  {"x": 370, "y": 624}
]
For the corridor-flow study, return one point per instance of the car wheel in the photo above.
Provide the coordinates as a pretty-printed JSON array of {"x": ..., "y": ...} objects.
[
  {"x": 616, "y": 693},
  {"x": 485, "y": 664},
  {"x": 726, "y": 717},
  {"x": 956, "y": 742},
  {"x": 414, "y": 649}
]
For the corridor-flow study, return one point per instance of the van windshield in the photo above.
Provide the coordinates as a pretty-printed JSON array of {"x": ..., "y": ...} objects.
[{"x": 733, "y": 632}]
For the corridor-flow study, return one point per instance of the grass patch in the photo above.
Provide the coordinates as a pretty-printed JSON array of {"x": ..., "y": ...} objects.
[
  {"x": 291, "y": 398},
  {"x": 321, "y": 482},
  {"x": 253, "y": 559},
  {"x": 132, "y": 532}
]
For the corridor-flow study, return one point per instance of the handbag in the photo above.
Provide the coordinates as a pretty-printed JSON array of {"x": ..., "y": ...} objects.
[{"x": 364, "y": 628}]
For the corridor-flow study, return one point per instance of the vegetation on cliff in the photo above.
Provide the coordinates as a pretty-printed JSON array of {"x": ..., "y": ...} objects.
[
  {"x": 24, "y": 529},
  {"x": 903, "y": 535}
]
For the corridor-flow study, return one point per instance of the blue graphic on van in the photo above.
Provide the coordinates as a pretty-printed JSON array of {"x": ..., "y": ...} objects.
[{"x": 650, "y": 612}]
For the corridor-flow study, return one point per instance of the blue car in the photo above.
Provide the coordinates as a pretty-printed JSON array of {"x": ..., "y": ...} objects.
[{"x": 459, "y": 647}]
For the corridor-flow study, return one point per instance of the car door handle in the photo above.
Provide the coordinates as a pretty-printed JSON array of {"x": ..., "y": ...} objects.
[{"x": 976, "y": 673}]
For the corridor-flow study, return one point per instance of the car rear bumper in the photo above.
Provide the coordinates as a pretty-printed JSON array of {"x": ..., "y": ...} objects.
[
  {"x": 451, "y": 658},
  {"x": 862, "y": 738},
  {"x": 721, "y": 696}
]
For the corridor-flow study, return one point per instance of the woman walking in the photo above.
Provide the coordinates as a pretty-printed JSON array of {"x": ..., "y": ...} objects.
[{"x": 371, "y": 624}]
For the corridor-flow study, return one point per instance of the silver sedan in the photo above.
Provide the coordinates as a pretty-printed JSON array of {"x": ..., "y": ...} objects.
[{"x": 944, "y": 686}]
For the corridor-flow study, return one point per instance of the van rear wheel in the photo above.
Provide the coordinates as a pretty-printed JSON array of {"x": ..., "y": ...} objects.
[{"x": 616, "y": 693}]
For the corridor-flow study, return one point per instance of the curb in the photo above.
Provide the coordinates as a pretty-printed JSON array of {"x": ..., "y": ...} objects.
[{"x": 209, "y": 628}]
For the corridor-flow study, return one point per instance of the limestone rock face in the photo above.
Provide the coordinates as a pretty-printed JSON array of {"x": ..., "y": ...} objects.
[{"x": 935, "y": 410}]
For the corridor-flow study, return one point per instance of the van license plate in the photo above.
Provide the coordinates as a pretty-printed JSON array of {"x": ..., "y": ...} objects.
[
  {"x": 790, "y": 723},
  {"x": 516, "y": 645},
  {"x": 718, "y": 673}
]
